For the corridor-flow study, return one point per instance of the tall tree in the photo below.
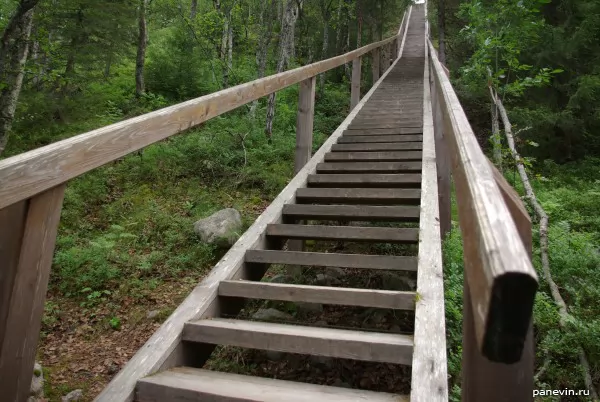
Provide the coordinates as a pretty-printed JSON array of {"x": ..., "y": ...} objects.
[
  {"x": 442, "y": 31},
  {"x": 286, "y": 50},
  {"x": 140, "y": 60},
  {"x": 266, "y": 18},
  {"x": 325, "y": 6},
  {"x": 14, "y": 50}
]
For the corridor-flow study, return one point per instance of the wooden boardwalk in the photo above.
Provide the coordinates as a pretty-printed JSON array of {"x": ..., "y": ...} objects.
[{"x": 389, "y": 162}]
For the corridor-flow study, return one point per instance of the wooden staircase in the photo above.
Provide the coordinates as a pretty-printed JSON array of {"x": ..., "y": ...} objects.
[
  {"x": 383, "y": 176},
  {"x": 371, "y": 174}
]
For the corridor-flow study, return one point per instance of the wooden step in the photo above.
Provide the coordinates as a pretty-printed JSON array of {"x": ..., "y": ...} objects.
[
  {"x": 404, "y": 123},
  {"x": 383, "y": 146},
  {"x": 385, "y": 156},
  {"x": 375, "y": 196},
  {"x": 190, "y": 384},
  {"x": 353, "y": 139},
  {"x": 385, "y": 131},
  {"x": 396, "y": 213},
  {"x": 365, "y": 180},
  {"x": 353, "y": 261},
  {"x": 369, "y": 167},
  {"x": 339, "y": 343},
  {"x": 319, "y": 294},
  {"x": 344, "y": 233}
]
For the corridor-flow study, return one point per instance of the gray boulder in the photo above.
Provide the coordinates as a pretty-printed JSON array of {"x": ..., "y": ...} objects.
[
  {"x": 221, "y": 228},
  {"x": 37, "y": 382},
  {"x": 271, "y": 314}
]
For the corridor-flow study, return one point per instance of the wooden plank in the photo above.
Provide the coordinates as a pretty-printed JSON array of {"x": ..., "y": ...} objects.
[
  {"x": 164, "y": 349},
  {"x": 344, "y": 233},
  {"x": 355, "y": 86},
  {"x": 483, "y": 379},
  {"x": 30, "y": 173},
  {"x": 358, "y": 195},
  {"x": 339, "y": 343},
  {"x": 388, "y": 156},
  {"x": 375, "y": 59},
  {"x": 353, "y": 139},
  {"x": 381, "y": 146},
  {"x": 319, "y": 294},
  {"x": 404, "y": 123},
  {"x": 190, "y": 384},
  {"x": 384, "y": 131},
  {"x": 401, "y": 213},
  {"x": 354, "y": 261},
  {"x": 28, "y": 292},
  {"x": 365, "y": 180},
  {"x": 429, "y": 379},
  {"x": 369, "y": 167},
  {"x": 501, "y": 277}
]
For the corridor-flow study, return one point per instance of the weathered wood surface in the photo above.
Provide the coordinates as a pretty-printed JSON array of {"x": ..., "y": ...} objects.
[
  {"x": 370, "y": 298},
  {"x": 429, "y": 372},
  {"x": 163, "y": 350},
  {"x": 29, "y": 270},
  {"x": 384, "y": 131},
  {"x": 354, "y": 261},
  {"x": 188, "y": 384},
  {"x": 340, "y": 343},
  {"x": 346, "y": 233},
  {"x": 30, "y": 173},
  {"x": 359, "y": 195},
  {"x": 388, "y": 156},
  {"x": 369, "y": 167},
  {"x": 381, "y": 146},
  {"x": 355, "y": 86},
  {"x": 352, "y": 139},
  {"x": 358, "y": 180},
  {"x": 501, "y": 277},
  {"x": 402, "y": 213}
]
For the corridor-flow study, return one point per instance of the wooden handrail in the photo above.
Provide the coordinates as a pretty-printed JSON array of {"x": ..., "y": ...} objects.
[
  {"x": 499, "y": 273},
  {"x": 25, "y": 175}
]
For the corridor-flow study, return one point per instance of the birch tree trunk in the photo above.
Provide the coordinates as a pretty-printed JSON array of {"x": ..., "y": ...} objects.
[
  {"x": 229, "y": 64},
  {"x": 140, "y": 61},
  {"x": 324, "y": 48},
  {"x": 14, "y": 49},
  {"x": 286, "y": 45},
  {"x": 496, "y": 143},
  {"x": 265, "y": 21},
  {"x": 194, "y": 10}
]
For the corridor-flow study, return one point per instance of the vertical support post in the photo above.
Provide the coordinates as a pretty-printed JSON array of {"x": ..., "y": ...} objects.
[
  {"x": 355, "y": 89},
  {"x": 304, "y": 140},
  {"x": 26, "y": 253},
  {"x": 442, "y": 159},
  {"x": 394, "y": 49},
  {"x": 386, "y": 57},
  {"x": 376, "y": 58},
  {"x": 483, "y": 380}
]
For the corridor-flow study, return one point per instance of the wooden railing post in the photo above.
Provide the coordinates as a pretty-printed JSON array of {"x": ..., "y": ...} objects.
[
  {"x": 304, "y": 140},
  {"x": 375, "y": 64},
  {"x": 355, "y": 90},
  {"x": 442, "y": 160},
  {"x": 482, "y": 379},
  {"x": 26, "y": 248}
]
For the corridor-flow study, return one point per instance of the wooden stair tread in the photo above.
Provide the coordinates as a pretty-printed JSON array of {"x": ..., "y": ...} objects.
[
  {"x": 365, "y": 180},
  {"x": 412, "y": 122},
  {"x": 191, "y": 384},
  {"x": 359, "y": 195},
  {"x": 368, "y": 167},
  {"x": 353, "y": 139},
  {"x": 353, "y": 212},
  {"x": 383, "y": 131},
  {"x": 319, "y": 294},
  {"x": 374, "y": 156},
  {"x": 339, "y": 343},
  {"x": 354, "y": 261},
  {"x": 378, "y": 146},
  {"x": 344, "y": 233}
]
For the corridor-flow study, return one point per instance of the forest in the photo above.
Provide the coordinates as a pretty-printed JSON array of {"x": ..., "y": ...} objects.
[{"x": 126, "y": 253}]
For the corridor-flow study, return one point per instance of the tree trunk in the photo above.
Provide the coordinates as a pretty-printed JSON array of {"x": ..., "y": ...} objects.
[
  {"x": 224, "y": 37},
  {"x": 286, "y": 49},
  {"x": 14, "y": 49},
  {"x": 140, "y": 87},
  {"x": 324, "y": 51},
  {"x": 442, "y": 31},
  {"x": 338, "y": 23},
  {"x": 496, "y": 143},
  {"x": 194, "y": 10},
  {"x": 265, "y": 21},
  {"x": 229, "y": 64}
]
